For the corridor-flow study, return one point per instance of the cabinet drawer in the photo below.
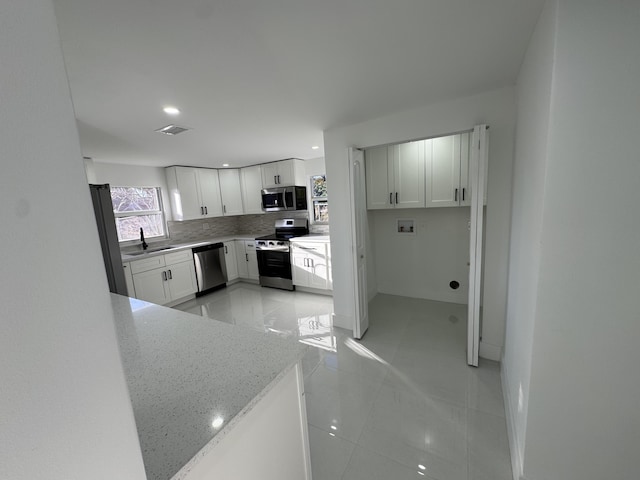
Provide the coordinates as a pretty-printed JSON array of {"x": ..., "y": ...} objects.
[
  {"x": 147, "y": 264},
  {"x": 309, "y": 247},
  {"x": 250, "y": 246},
  {"x": 177, "y": 257}
]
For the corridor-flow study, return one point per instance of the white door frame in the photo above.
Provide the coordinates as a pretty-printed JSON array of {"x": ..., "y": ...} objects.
[
  {"x": 477, "y": 176},
  {"x": 358, "y": 235},
  {"x": 477, "y": 182}
]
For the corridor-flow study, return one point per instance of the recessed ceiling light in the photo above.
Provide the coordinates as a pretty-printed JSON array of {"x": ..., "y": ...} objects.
[
  {"x": 171, "y": 110},
  {"x": 315, "y": 147},
  {"x": 225, "y": 164}
]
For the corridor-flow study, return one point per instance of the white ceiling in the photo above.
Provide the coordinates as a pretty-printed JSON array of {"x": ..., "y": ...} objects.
[{"x": 260, "y": 80}]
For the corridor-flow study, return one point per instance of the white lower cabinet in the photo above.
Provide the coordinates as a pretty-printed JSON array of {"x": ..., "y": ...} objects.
[
  {"x": 311, "y": 265},
  {"x": 164, "y": 278},
  {"x": 247, "y": 259},
  {"x": 230, "y": 260},
  {"x": 128, "y": 277},
  {"x": 282, "y": 409}
]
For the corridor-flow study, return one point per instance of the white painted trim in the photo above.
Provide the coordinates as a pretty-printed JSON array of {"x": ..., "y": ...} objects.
[
  {"x": 516, "y": 460},
  {"x": 490, "y": 352},
  {"x": 477, "y": 173}
]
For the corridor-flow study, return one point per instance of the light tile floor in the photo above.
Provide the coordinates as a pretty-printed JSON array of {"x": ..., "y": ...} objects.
[{"x": 401, "y": 403}]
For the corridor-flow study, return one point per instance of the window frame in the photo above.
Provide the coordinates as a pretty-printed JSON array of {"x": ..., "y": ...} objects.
[
  {"x": 140, "y": 213},
  {"x": 313, "y": 198}
]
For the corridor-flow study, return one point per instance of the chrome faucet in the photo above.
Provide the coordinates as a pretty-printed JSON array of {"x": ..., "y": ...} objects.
[{"x": 144, "y": 244}]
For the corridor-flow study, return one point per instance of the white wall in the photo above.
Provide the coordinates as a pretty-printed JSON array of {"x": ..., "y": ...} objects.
[
  {"x": 315, "y": 166},
  {"x": 533, "y": 101},
  {"x": 496, "y": 108},
  {"x": 583, "y": 420},
  {"x": 423, "y": 264},
  {"x": 119, "y": 175},
  {"x": 65, "y": 408}
]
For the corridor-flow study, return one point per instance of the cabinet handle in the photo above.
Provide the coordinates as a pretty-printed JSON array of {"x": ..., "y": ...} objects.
[
  {"x": 456, "y": 196},
  {"x": 170, "y": 275},
  {"x": 206, "y": 212},
  {"x": 164, "y": 276},
  {"x": 201, "y": 210},
  {"x": 224, "y": 209},
  {"x": 246, "y": 256},
  {"x": 396, "y": 198},
  {"x": 463, "y": 189},
  {"x": 226, "y": 250},
  {"x": 311, "y": 263},
  {"x": 275, "y": 179},
  {"x": 305, "y": 262},
  {"x": 391, "y": 198}
]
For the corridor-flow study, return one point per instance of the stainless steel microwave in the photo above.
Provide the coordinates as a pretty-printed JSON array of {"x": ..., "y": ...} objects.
[{"x": 284, "y": 198}]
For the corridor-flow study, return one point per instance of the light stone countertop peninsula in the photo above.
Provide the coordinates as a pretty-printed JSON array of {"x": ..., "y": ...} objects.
[{"x": 184, "y": 372}]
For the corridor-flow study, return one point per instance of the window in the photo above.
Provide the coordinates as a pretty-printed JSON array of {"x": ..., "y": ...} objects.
[
  {"x": 136, "y": 208},
  {"x": 319, "y": 199}
]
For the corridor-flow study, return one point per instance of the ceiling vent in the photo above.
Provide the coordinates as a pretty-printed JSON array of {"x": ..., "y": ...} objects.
[{"x": 172, "y": 130}]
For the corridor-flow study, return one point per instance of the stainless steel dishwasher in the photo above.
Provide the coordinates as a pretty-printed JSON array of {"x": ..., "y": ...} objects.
[{"x": 211, "y": 269}]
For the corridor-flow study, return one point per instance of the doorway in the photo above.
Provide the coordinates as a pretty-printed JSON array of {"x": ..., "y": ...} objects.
[{"x": 420, "y": 207}]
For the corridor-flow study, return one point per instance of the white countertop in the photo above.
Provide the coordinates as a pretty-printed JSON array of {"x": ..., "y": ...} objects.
[
  {"x": 312, "y": 237},
  {"x": 184, "y": 371},
  {"x": 176, "y": 247}
]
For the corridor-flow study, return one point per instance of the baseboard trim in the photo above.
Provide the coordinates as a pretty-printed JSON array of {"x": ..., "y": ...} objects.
[
  {"x": 516, "y": 460},
  {"x": 490, "y": 352}
]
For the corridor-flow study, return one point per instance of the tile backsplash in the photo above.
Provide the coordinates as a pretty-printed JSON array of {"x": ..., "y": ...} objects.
[{"x": 201, "y": 229}]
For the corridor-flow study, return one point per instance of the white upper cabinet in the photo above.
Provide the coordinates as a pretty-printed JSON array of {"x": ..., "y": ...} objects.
[
  {"x": 210, "y": 192},
  {"x": 283, "y": 173},
  {"x": 194, "y": 192},
  {"x": 230, "y": 192},
  {"x": 251, "y": 184},
  {"x": 408, "y": 175},
  {"x": 379, "y": 188},
  {"x": 447, "y": 160},
  {"x": 395, "y": 176},
  {"x": 184, "y": 193}
]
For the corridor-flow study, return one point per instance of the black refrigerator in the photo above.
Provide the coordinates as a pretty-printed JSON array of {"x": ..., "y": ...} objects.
[{"x": 101, "y": 197}]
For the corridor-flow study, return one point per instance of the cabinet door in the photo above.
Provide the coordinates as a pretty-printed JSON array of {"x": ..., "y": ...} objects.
[
  {"x": 252, "y": 260},
  {"x": 443, "y": 171},
  {"x": 210, "y": 192},
  {"x": 251, "y": 184},
  {"x": 230, "y": 192},
  {"x": 408, "y": 175},
  {"x": 465, "y": 186},
  {"x": 230, "y": 260},
  {"x": 317, "y": 265},
  {"x": 299, "y": 270},
  {"x": 150, "y": 286},
  {"x": 270, "y": 175},
  {"x": 185, "y": 198},
  {"x": 128, "y": 277},
  {"x": 379, "y": 195},
  {"x": 182, "y": 280},
  {"x": 286, "y": 173},
  {"x": 241, "y": 257}
]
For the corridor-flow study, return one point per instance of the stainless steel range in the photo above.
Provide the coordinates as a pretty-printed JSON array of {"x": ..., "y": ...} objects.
[{"x": 274, "y": 261}]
